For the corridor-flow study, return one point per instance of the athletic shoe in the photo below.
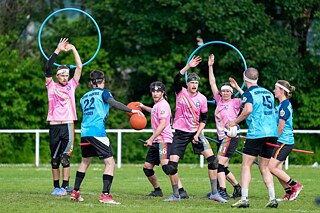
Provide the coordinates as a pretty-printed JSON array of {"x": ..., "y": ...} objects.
[
  {"x": 241, "y": 204},
  {"x": 75, "y": 196},
  {"x": 56, "y": 192},
  {"x": 217, "y": 197},
  {"x": 63, "y": 192},
  {"x": 155, "y": 193},
  {"x": 286, "y": 197},
  {"x": 172, "y": 198},
  {"x": 69, "y": 189},
  {"x": 224, "y": 194},
  {"x": 183, "y": 194},
  {"x": 107, "y": 198},
  {"x": 272, "y": 204},
  {"x": 236, "y": 192},
  {"x": 296, "y": 189}
]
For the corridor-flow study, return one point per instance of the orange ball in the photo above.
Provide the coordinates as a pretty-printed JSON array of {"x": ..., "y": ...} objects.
[
  {"x": 133, "y": 105},
  {"x": 138, "y": 122}
]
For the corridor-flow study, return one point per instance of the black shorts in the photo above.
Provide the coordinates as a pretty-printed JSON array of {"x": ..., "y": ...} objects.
[
  {"x": 181, "y": 139},
  {"x": 228, "y": 146},
  {"x": 158, "y": 152},
  {"x": 96, "y": 147},
  {"x": 281, "y": 153},
  {"x": 258, "y": 147},
  {"x": 61, "y": 139}
]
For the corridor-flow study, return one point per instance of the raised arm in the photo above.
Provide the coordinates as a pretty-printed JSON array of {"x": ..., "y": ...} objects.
[
  {"x": 78, "y": 71},
  {"x": 193, "y": 63},
  {"x": 235, "y": 85},
  {"x": 212, "y": 79},
  {"x": 48, "y": 67}
]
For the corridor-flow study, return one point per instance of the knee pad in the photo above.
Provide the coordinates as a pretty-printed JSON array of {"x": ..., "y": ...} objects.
[
  {"x": 65, "y": 160},
  {"x": 171, "y": 168},
  {"x": 148, "y": 172},
  {"x": 213, "y": 163},
  {"x": 226, "y": 170},
  {"x": 55, "y": 163},
  {"x": 221, "y": 168}
]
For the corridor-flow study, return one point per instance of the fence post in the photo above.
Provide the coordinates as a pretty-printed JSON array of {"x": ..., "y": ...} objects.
[
  {"x": 119, "y": 149},
  {"x": 37, "y": 148}
]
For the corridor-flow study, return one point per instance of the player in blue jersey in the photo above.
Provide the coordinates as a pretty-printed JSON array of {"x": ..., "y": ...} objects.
[
  {"x": 95, "y": 106},
  {"x": 284, "y": 112},
  {"x": 258, "y": 111}
]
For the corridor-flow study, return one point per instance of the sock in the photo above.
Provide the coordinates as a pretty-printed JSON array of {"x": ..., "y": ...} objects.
[
  {"x": 181, "y": 190},
  {"x": 213, "y": 183},
  {"x": 79, "y": 179},
  {"x": 291, "y": 182},
  {"x": 175, "y": 190},
  {"x": 271, "y": 192},
  {"x": 56, "y": 184},
  {"x": 107, "y": 181},
  {"x": 65, "y": 183},
  {"x": 288, "y": 190},
  {"x": 157, "y": 189},
  {"x": 244, "y": 194}
]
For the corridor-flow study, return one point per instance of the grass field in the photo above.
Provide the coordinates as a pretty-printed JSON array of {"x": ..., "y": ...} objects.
[{"x": 25, "y": 188}]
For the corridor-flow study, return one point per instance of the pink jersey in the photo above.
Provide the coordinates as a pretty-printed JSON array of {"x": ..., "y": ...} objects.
[
  {"x": 61, "y": 101},
  {"x": 188, "y": 111},
  {"x": 161, "y": 110},
  {"x": 225, "y": 111}
]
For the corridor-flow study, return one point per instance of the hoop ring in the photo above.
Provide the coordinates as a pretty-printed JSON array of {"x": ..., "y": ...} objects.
[
  {"x": 217, "y": 42},
  {"x": 69, "y": 9}
]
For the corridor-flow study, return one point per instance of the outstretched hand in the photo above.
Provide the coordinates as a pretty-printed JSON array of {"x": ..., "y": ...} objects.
[
  {"x": 62, "y": 44},
  {"x": 210, "y": 60},
  {"x": 233, "y": 83},
  {"x": 195, "y": 61}
]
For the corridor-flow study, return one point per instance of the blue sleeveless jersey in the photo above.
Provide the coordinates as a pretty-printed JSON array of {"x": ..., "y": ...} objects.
[
  {"x": 284, "y": 111},
  {"x": 95, "y": 112},
  {"x": 262, "y": 120}
]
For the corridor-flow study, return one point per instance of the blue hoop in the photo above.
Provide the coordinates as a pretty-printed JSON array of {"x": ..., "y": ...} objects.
[
  {"x": 218, "y": 42},
  {"x": 69, "y": 9}
]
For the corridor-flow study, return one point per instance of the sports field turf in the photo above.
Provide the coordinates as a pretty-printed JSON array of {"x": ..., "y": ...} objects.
[{"x": 25, "y": 188}]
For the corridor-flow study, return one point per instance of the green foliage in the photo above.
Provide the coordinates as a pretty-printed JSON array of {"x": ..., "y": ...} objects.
[{"x": 147, "y": 41}]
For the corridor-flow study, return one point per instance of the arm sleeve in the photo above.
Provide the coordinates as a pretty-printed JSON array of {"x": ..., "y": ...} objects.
[
  {"x": 118, "y": 105},
  {"x": 203, "y": 117},
  {"x": 177, "y": 83},
  {"x": 49, "y": 64}
]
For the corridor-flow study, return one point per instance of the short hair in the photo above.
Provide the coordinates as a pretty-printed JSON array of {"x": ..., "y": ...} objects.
[
  {"x": 287, "y": 85},
  {"x": 252, "y": 73},
  {"x": 193, "y": 77},
  {"x": 96, "y": 77}
]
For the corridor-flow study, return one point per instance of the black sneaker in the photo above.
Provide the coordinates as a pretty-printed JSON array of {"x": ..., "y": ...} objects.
[
  {"x": 183, "y": 194},
  {"x": 272, "y": 204},
  {"x": 224, "y": 194},
  {"x": 156, "y": 193},
  {"x": 241, "y": 204},
  {"x": 236, "y": 192}
]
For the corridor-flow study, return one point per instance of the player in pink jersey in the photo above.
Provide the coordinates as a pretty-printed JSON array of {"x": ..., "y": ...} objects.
[
  {"x": 190, "y": 119},
  {"x": 61, "y": 114},
  {"x": 227, "y": 109},
  {"x": 161, "y": 139}
]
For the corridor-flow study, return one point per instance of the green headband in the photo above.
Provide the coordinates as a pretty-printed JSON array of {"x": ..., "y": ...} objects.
[{"x": 193, "y": 78}]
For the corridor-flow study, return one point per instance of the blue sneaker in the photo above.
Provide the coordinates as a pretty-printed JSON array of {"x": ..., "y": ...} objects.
[
  {"x": 217, "y": 197},
  {"x": 63, "y": 192},
  {"x": 56, "y": 192},
  {"x": 172, "y": 198}
]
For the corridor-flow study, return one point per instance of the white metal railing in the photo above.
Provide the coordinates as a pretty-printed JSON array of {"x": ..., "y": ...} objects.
[{"x": 119, "y": 139}]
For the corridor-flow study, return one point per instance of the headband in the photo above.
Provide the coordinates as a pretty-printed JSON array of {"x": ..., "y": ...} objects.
[
  {"x": 157, "y": 88},
  {"x": 193, "y": 78},
  {"x": 62, "y": 71},
  {"x": 248, "y": 79},
  {"x": 227, "y": 87},
  {"x": 283, "y": 87}
]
